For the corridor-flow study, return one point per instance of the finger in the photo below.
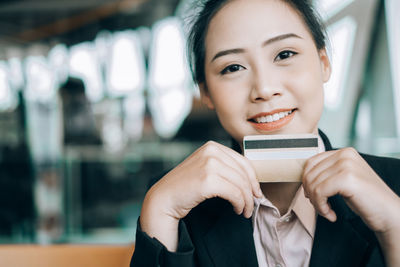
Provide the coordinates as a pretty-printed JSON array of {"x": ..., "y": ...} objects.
[
  {"x": 220, "y": 187},
  {"x": 332, "y": 185},
  {"x": 311, "y": 181},
  {"x": 343, "y": 161},
  {"x": 240, "y": 182},
  {"x": 247, "y": 197},
  {"x": 313, "y": 161},
  {"x": 215, "y": 150},
  {"x": 245, "y": 166},
  {"x": 324, "y": 209},
  {"x": 347, "y": 153},
  {"x": 321, "y": 171},
  {"x": 217, "y": 166},
  {"x": 317, "y": 164},
  {"x": 224, "y": 168}
]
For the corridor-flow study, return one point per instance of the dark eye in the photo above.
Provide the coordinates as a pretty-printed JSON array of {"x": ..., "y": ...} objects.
[
  {"x": 284, "y": 55},
  {"x": 231, "y": 68}
]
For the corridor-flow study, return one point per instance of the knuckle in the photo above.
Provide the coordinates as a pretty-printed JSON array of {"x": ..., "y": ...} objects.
[
  {"x": 306, "y": 180},
  {"x": 344, "y": 164},
  {"x": 238, "y": 202},
  {"x": 248, "y": 191},
  {"x": 318, "y": 192},
  {"x": 237, "y": 194},
  {"x": 348, "y": 177},
  {"x": 244, "y": 182},
  {"x": 352, "y": 150},
  {"x": 209, "y": 182},
  {"x": 349, "y": 152},
  {"x": 210, "y": 147},
  {"x": 308, "y": 165},
  {"x": 210, "y": 164},
  {"x": 209, "y": 143},
  {"x": 346, "y": 173},
  {"x": 208, "y": 185},
  {"x": 249, "y": 199},
  {"x": 349, "y": 182},
  {"x": 241, "y": 204},
  {"x": 323, "y": 209},
  {"x": 206, "y": 180}
]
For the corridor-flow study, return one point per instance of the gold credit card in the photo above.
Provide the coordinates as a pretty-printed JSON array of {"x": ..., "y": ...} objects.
[{"x": 279, "y": 158}]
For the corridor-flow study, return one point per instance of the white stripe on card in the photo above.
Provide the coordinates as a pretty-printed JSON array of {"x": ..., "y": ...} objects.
[{"x": 279, "y": 154}]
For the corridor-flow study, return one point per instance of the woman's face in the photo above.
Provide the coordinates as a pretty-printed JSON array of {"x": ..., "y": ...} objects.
[{"x": 264, "y": 74}]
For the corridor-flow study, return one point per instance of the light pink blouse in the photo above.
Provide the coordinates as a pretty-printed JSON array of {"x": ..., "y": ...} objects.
[{"x": 284, "y": 240}]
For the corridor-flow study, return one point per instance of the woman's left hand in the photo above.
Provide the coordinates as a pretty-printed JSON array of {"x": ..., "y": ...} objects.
[{"x": 346, "y": 173}]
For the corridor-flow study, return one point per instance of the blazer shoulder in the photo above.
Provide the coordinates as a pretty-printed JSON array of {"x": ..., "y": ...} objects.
[{"x": 387, "y": 168}]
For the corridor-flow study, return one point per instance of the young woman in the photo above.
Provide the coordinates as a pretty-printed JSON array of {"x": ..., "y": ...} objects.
[{"x": 261, "y": 65}]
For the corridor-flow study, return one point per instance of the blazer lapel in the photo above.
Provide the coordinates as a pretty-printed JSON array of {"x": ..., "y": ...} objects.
[
  {"x": 338, "y": 244},
  {"x": 230, "y": 242},
  {"x": 325, "y": 139}
]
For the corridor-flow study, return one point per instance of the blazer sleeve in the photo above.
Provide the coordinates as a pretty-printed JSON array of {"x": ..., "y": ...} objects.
[{"x": 151, "y": 252}]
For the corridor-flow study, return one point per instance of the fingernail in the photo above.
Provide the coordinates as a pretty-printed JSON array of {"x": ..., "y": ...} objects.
[
  {"x": 248, "y": 215},
  {"x": 260, "y": 193},
  {"x": 331, "y": 217}
]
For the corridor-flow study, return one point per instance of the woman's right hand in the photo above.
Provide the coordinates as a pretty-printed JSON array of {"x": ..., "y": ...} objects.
[{"x": 211, "y": 171}]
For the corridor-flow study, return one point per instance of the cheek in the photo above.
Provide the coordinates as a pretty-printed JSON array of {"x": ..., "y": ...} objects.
[
  {"x": 227, "y": 96},
  {"x": 229, "y": 100},
  {"x": 228, "y": 104},
  {"x": 309, "y": 82},
  {"x": 309, "y": 92}
]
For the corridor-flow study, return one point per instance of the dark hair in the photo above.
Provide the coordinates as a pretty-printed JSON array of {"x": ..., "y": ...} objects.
[{"x": 198, "y": 31}]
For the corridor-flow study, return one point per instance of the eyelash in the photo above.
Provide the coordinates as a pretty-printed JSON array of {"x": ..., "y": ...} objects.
[
  {"x": 292, "y": 53},
  {"x": 285, "y": 52},
  {"x": 228, "y": 70}
]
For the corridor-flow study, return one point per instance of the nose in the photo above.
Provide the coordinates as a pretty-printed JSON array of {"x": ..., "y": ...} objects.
[{"x": 263, "y": 88}]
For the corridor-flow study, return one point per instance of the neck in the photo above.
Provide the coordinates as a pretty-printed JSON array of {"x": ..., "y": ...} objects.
[{"x": 280, "y": 194}]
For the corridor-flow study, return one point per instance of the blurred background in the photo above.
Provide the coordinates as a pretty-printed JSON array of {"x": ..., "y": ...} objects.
[{"x": 96, "y": 99}]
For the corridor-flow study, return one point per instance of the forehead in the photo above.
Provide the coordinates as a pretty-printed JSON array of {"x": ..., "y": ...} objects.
[{"x": 246, "y": 22}]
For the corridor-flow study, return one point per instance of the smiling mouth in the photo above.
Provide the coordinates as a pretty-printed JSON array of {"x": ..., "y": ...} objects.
[{"x": 273, "y": 120}]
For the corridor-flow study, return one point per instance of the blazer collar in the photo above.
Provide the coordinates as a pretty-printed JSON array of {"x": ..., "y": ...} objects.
[
  {"x": 230, "y": 240},
  {"x": 230, "y": 243},
  {"x": 325, "y": 139}
]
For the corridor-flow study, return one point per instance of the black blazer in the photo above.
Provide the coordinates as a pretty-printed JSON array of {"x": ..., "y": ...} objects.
[{"x": 212, "y": 234}]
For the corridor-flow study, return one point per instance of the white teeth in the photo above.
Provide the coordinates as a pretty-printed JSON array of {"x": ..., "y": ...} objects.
[{"x": 273, "y": 117}]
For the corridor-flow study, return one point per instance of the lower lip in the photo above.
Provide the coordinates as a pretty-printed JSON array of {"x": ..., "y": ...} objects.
[{"x": 275, "y": 125}]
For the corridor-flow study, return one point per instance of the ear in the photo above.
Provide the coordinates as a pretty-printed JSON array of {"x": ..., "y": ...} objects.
[
  {"x": 205, "y": 96},
  {"x": 325, "y": 65}
]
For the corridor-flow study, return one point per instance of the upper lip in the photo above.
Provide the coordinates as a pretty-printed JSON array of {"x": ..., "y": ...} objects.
[{"x": 263, "y": 114}]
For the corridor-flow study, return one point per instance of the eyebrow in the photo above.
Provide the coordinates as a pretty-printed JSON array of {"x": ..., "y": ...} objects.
[
  {"x": 280, "y": 38},
  {"x": 265, "y": 43}
]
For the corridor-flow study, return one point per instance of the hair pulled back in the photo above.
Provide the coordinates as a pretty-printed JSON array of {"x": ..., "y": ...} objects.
[{"x": 198, "y": 31}]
